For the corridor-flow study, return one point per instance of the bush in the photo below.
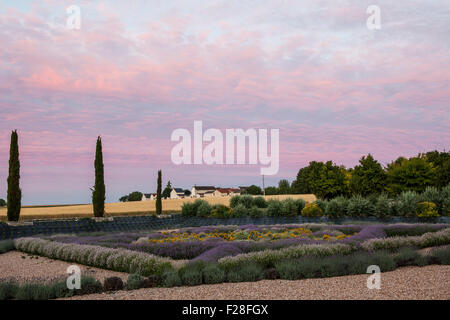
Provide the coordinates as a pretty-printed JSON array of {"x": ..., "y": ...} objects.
[
  {"x": 192, "y": 277},
  {"x": 273, "y": 208},
  {"x": 2, "y": 203},
  {"x": 113, "y": 284},
  {"x": 246, "y": 201},
  {"x": 430, "y": 239},
  {"x": 249, "y": 272},
  {"x": 6, "y": 245},
  {"x": 8, "y": 289},
  {"x": 360, "y": 207},
  {"x": 89, "y": 285},
  {"x": 312, "y": 210},
  {"x": 188, "y": 209},
  {"x": 61, "y": 291},
  {"x": 34, "y": 291},
  {"x": 213, "y": 274},
  {"x": 442, "y": 255},
  {"x": 289, "y": 207},
  {"x": 134, "y": 281},
  {"x": 268, "y": 258},
  {"x": 445, "y": 195},
  {"x": 432, "y": 194},
  {"x": 427, "y": 210},
  {"x": 221, "y": 211},
  {"x": 382, "y": 206},
  {"x": 240, "y": 211},
  {"x": 172, "y": 279},
  {"x": 234, "y": 201},
  {"x": 337, "y": 207},
  {"x": 260, "y": 202},
  {"x": 406, "y": 203},
  {"x": 272, "y": 274},
  {"x": 256, "y": 212},
  {"x": 322, "y": 204},
  {"x": 300, "y": 203},
  {"x": 409, "y": 257},
  {"x": 204, "y": 210}
]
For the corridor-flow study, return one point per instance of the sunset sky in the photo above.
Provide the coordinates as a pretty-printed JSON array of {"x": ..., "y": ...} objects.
[{"x": 137, "y": 70}]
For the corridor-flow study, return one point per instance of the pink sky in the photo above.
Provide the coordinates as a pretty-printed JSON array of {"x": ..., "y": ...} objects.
[{"x": 137, "y": 70}]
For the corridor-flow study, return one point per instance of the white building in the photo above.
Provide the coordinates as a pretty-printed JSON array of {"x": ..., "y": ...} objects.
[
  {"x": 202, "y": 191},
  {"x": 148, "y": 196},
  {"x": 177, "y": 193}
]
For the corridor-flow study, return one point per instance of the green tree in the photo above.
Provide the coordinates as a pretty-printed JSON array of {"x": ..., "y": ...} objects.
[
  {"x": 327, "y": 180},
  {"x": 98, "y": 192},
  {"x": 158, "y": 194},
  {"x": 2, "y": 203},
  {"x": 413, "y": 174},
  {"x": 284, "y": 187},
  {"x": 134, "y": 196},
  {"x": 123, "y": 198},
  {"x": 14, "y": 196},
  {"x": 254, "y": 190},
  {"x": 368, "y": 177},
  {"x": 300, "y": 185},
  {"x": 271, "y": 191},
  {"x": 441, "y": 163},
  {"x": 167, "y": 191}
]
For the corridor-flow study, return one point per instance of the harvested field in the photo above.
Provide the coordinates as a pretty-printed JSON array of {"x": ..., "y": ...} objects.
[
  {"x": 125, "y": 208},
  {"x": 409, "y": 283}
]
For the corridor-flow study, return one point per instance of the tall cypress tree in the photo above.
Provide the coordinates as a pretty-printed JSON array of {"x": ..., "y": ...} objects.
[
  {"x": 158, "y": 195},
  {"x": 98, "y": 193},
  {"x": 14, "y": 197}
]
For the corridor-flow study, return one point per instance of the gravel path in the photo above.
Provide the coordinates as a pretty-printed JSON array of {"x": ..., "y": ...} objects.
[
  {"x": 12, "y": 265},
  {"x": 430, "y": 282}
]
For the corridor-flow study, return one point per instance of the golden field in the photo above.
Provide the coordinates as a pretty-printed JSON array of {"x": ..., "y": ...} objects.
[{"x": 126, "y": 208}]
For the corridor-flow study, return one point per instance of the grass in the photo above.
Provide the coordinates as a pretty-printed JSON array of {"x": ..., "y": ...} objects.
[{"x": 124, "y": 208}]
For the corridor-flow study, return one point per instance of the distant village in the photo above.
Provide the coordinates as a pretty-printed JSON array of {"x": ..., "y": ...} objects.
[{"x": 198, "y": 192}]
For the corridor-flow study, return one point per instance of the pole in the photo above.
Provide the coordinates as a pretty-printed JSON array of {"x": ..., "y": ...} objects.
[{"x": 264, "y": 189}]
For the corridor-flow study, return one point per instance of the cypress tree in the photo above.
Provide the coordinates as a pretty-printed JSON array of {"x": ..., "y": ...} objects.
[
  {"x": 158, "y": 195},
  {"x": 14, "y": 196},
  {"x": 98, "y": 193}
]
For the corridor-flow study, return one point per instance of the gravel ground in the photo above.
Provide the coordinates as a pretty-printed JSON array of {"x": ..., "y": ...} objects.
[
  {"x": 12, "y": 265},
  {"x": 430, "y": 282}
]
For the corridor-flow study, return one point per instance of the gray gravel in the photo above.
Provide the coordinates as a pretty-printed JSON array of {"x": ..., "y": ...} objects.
[{"x": 430, "y": 282}]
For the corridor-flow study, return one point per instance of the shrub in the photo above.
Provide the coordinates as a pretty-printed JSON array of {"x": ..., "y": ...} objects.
[
  {"x": 221, "y": 211},
  {"x": 188, "y": 209},
  {"x": 192, "y": 277},
  {"x": 268, "y": 258},
  {"x": 442, "y": 255},
  {"x": 446, "y": 207},
  {"x": 337, "y": 207},
  {"x": 273, "y": 208},
  {"x": 8, "y": 289},
  {"x": 300, "y": 203},
  {"x": 260, "y": 202},
  {"x": 113, "y": 284},
  {"x": 406, "y": 203},
  {"x": 312, "y": 210},
  {"x": 213, "y": 274},
  {"x": 272, "y": 274},
  {"x": 204, "y": 209},
  {"x": 172, "y": 279},
  {"x": 249, "y": 272},
  {"x": 240, "y": 211},
  {"x": 114, "y": 259},
  {"x": 322, "y": 203},
  {"x": 427, "y": 210},
  {"x": 60, "y": 289},
  {"x": 382, "y": 206},
  {"x": 432, "y": 194},
  {"x": 246, "y": 201},
  {"x": 234, "y": 201},
  {"x": 430, "y": 239},
  {"x": 134, "y": 281},
  {"x": 359, "y": 207},
  {"x": 256, "y": 212},
  {"x": 89, "y": 285},
  {"x": 34, "y": 291},
  {"x": 6, "y": 245},
  {"x": 409, "y": 257},
  {"x": 289, "y": 207}
]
